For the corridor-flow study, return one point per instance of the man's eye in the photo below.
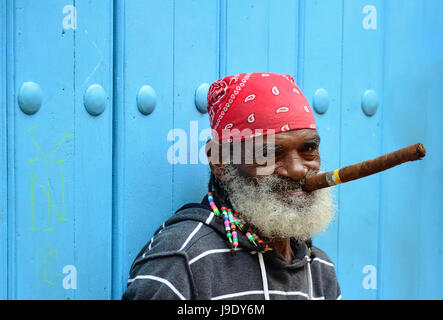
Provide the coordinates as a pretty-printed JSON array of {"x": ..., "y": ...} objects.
[{"x": 310, "y": 148}]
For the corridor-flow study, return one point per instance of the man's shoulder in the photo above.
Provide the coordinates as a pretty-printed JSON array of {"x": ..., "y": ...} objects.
[{"x": 188, "y": 231}]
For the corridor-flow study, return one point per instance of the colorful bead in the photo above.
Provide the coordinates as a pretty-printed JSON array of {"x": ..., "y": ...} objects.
[
  {"x": 232, "y": 221},
  {"x": 213, "y": 205},
  {"x": 250, "y": 237},
  {"x": 233, "y": 228}
]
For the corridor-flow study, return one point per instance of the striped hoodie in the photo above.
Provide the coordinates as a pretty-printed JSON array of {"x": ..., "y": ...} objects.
[{"x": 188, "y": 258}]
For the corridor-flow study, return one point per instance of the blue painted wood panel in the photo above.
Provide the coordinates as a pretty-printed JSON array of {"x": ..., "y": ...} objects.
[
  {"x": 93, "y": 161},
  {"x": 195, "y": 63},
  {"x": 42, "y": 149},
  {"x": 81, "y": 194},
  {"x": 360, "y": 139},
  {"x": 143, "y": 181},
  {"x": 322, "y": 73},
  {"x": 3, "y": 158},
  {"x": 60, "y": 158},
  {"x": 411, "y": 237}
]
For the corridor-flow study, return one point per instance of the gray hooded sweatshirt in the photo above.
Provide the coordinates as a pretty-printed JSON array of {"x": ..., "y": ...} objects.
[{"x": 188, "y": 258}]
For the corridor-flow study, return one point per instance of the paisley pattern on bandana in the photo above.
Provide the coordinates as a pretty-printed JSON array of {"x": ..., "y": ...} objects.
[{"x": 257, "y": 101}]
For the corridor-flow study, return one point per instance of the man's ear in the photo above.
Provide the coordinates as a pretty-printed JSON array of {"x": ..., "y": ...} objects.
[{"x": 213, "y": 149}]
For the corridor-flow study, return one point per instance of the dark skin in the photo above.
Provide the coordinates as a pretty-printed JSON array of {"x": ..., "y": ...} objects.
[{"x": 296, "y": 152}]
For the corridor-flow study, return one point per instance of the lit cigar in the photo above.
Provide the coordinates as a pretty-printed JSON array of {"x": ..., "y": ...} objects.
[{"x": 366, "y": 168}]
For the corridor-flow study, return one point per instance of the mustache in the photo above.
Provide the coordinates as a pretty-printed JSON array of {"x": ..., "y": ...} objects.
[
  {"x": 285, "y": 184},
  {"x": 273, "y": 183}
]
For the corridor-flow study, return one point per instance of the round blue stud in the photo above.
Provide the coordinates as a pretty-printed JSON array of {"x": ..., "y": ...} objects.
[
  {"x": 200, "y": 99},
  {"x": 146, "y": 99},
  {"x": 369, "y": 102},
  {"x": 321, "y": 101},
  {"x": 30, "y": 97},
  {"x": 95, "y": 99}
]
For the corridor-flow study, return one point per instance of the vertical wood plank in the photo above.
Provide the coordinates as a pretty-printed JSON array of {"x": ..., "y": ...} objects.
[
  {"x": 143, "y": 176},
  {"x": 322, "y": 70},
  {"x": 11, "y": 286},
  {"x": 3, "y": 156},
  {"x": 429, "y": 189},
  {"x": 247, "y": 36},
  {"x": 42, "y": 213},
  {"x": 93, "y": 63},
  {"x": 411, "y": 229},
  {"x": 360, "y": 140},
  {"x": 283, "y": 32},
  {"x": 195, "y": 62}
]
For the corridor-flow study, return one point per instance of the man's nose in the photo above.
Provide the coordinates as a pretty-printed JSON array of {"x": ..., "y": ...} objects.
[{"x": 293, "y": 167}]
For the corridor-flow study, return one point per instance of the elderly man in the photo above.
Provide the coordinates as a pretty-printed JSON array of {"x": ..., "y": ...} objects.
[{"x": 251, "y": 236}]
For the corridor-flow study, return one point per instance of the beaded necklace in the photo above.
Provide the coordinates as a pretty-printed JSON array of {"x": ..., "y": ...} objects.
[{"x": 233, "y": 221}]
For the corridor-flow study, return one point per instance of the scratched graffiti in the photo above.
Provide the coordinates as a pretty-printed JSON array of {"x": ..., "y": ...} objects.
[
  {"x": 47, "y": 186},
  {"x": 47, "y": 207},
  {"x": 46, "y": 266}
]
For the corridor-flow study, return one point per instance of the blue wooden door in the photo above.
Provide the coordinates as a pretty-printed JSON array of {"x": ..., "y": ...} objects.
[{"x": 102, "y": 131}]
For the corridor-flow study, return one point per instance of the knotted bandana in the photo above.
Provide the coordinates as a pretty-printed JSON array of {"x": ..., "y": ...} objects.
[{"x": 247, "y": 105}]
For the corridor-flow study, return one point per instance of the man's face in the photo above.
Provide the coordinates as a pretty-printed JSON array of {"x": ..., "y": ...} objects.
[
  {"x": 269, "y": 194},
  {"x": 295, "y": 153}
]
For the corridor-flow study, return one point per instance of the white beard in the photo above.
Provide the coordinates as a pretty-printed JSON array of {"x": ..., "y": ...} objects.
[{"x": 274, "y": 216}]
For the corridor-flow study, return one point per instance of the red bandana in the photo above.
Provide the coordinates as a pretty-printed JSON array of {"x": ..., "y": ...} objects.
[{"x": 247, "y": 105}]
